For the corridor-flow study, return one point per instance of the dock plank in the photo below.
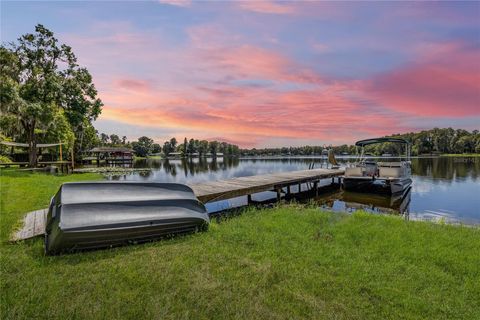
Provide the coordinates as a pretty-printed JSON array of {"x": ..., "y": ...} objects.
[
  {"x": 242, "y": 186},
  {"x": 33, "y": 225}
]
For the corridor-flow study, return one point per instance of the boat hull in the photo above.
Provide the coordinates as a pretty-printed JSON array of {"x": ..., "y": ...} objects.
[
  {"x": 384, "y": 186},
  {"x": 98, "y": 215}
]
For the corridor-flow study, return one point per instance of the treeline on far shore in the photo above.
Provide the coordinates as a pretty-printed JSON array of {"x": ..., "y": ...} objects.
[
  {"x": 434, "y": 141},
  {"x": 427, "y": 142},
  {"x": 145, "y": 146}
]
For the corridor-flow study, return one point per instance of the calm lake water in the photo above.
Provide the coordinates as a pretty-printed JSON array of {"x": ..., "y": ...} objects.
[{"x": 443, "y": 188}]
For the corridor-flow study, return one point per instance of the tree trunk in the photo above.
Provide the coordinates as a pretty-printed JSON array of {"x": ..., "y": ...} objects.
[{"x": 32, "y": 148}]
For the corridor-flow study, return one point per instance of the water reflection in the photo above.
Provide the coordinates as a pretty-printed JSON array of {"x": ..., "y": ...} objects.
[
  {"x": 186, "y": 167},
  {"x": 350, "y": 201},
  {"x": 447, "y": 169},
  {"x": 443, "y": 188}
]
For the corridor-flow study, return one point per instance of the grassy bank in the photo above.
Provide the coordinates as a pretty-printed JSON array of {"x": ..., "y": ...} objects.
[
  {"x": 148, "y": 157},
  {"x": 460, "y": 155},
  {"x": 283, "y": 263}
]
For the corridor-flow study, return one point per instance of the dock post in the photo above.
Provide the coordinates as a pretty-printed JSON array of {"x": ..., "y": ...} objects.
[
  {"x": 315, "y": 186},
  {"x": 333, "y": 180},
  {"x": 299, "y": 187},
  {"x": 249, "y": 198},
  {"x": 288, "y": 189},
  {"x": 279, "y": 194}
]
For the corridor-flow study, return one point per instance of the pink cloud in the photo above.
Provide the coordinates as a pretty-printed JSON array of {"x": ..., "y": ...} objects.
[
  {"x": 233, "y": 58},
  {"x": 250, "y": 62},
  {"x": 445, "y": 82},
  {"x": 133, "y": 84},
  {"x": 263, "y": 113}
]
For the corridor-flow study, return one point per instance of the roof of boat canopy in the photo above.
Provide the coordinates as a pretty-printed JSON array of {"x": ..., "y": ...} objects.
[{"x": 366, "y": 142}]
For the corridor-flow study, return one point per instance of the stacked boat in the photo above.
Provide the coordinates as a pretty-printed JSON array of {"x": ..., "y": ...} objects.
[{"x": 103, "y": 214}]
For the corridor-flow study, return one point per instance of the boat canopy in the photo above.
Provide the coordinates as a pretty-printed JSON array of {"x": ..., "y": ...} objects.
[{"x": 366, "y": 142}]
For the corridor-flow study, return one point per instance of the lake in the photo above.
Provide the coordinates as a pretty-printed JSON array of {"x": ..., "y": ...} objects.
[{"x": 444, "y": 188}]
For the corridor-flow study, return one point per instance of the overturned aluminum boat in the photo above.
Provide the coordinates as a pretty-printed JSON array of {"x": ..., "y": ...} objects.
[
  {"x": 368, "y": 175},
  {"x": 88, "y": 215}
]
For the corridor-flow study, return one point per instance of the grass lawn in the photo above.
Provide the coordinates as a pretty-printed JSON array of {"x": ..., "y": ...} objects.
[
  {"x": 148, "y": 157},
  {"x": 288, "y": 262},
  {"x": 460, "y": 155}
]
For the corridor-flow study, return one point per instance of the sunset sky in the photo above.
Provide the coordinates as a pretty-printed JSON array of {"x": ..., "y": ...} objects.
[{"x": 270, "y": 73}]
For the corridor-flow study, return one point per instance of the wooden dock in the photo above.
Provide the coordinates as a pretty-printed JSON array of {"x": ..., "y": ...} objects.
[
  {"x": 245, "y": 186},
  {"x": 34, "y": 222}
]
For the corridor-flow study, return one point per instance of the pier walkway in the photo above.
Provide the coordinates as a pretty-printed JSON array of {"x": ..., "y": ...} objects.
[{"x": 245, "y": 186}]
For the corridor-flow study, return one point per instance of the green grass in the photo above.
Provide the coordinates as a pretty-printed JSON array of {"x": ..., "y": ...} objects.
[
  {"x": 288, "y": 262},
  {"x": 460, "y": 155},
  {"x": 148, "y": 157}
]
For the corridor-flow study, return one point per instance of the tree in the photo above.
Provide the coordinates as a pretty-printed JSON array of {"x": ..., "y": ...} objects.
[
  {"x": 156, "y": 148},
  {"x": 185, "y": 147},
  {"x": 173, "y": 143},
  {"x": 104, "y": 138},
  {"x": 89, "y": 137},
  {"x": 115, "y": 140},
  {"x": 191, "y": 147},
  {"x": 202, "y": 147},
  {"x": 38, "y": 78},
  {"x": 124, "y": 140},
  {"x": 167, "y": 148},
  {"x": 143, "y": 146},
  {"x": 213, "y": 147}
]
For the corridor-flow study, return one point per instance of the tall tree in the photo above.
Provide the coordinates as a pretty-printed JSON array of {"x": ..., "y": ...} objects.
[
  {"x": 40, "y": 82},
  {"x": 142, "y": 147},
  {"x": 167, "y": 148},
  {"x": 173, "y": 143},
  {"x": 115, "y": 140},
  {"x": 202, "y": 147},
  {"x": 213, "y": 147},
  {"x": 185, "y": 147},
  {"x": 191, "y": 147},
  {"x": 104, "y": 138}
]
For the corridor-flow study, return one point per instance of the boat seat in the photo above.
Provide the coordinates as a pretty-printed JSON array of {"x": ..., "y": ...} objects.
[
  {"x": 390, "y": 172},
  {"x": 354, "y": 172}
]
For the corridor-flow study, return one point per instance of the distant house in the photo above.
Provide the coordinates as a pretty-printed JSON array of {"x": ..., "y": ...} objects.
[
  {"x": 113, "y": 155},
  {"x": 175, "y": 155}
]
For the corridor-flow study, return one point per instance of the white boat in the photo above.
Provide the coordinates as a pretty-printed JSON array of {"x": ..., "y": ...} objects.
[{"x": 369, "y": 175}]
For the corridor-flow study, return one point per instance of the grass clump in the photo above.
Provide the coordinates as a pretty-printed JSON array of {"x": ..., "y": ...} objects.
[{"x": 288, "y": 262}]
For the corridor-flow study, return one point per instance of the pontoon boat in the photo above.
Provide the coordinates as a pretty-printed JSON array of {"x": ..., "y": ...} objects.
[{"x": 384, "y": 177}]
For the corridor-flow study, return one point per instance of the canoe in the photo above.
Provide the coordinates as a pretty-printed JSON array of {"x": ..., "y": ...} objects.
[{"x": 87, "y": 215}]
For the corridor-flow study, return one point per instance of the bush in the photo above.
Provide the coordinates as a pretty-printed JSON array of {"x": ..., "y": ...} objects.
[{"x": 5, "y": 159}]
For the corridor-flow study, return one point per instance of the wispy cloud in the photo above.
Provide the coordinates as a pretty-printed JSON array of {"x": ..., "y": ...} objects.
[
  {"x": 267, "y": 6},
  {"x": 178, "y": 3}
]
